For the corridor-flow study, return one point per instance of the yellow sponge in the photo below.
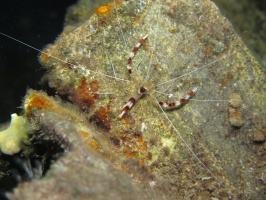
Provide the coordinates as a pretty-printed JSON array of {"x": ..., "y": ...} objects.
[{"x": 13, "y": 138}]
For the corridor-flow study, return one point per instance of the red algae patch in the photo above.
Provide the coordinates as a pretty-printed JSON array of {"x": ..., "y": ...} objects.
[
  {"x": 134, "y": 146},
  {"x": 86, "y": 94},
  {"x": 102, "y": 115},
  {"x": 36, "y": 100}
]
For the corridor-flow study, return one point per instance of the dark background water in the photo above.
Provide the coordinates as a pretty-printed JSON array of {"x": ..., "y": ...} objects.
[{"x": 37, "y": 23}]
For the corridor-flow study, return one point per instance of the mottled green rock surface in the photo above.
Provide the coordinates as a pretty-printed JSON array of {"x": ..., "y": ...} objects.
[
  {"x": 249, "y": 19},
  {"x": 189, "y": 43}
]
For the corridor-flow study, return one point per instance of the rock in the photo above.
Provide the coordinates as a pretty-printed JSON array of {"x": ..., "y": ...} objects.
[
  {"x": 235, "y": 119},
  {"x": 235, "y": 101},
  {"x": 258, "y": 136}
]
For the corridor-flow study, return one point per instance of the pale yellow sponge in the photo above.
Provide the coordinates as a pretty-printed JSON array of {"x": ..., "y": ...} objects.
[{"x": 13, "y": 138}]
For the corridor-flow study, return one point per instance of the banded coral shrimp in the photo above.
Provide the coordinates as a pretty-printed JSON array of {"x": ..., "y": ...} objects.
[{"x": 152, "y": 141}]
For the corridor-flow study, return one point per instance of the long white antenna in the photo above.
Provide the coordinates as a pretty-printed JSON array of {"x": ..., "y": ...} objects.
[
  {"x": 204, "y": 66},
  {"x": 183, "y": 140},
  {"x": 87, "y": 71}
]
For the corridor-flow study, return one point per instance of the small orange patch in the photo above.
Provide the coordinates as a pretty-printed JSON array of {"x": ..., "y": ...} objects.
[
  {"x": 84, "y": 134},
  {"x": 93, "y": 143},
  {"x": 208, "y": 50},
  {"x": 102, "y": 115},
  {"x": 39, "y": 101},
  {"x": 44, "y": 57},
  {"x": 86, "y": 94},
  {"x": 90, "y": 141},
  {"x": 124, "y": 167},
  {"x": 103, "y": 10},
  {"x": 126, "y": 120},
  {"x": 106, "y": 9},
  {"x": 133, "y": 146},
  {"x": 227, "y": 79}
]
